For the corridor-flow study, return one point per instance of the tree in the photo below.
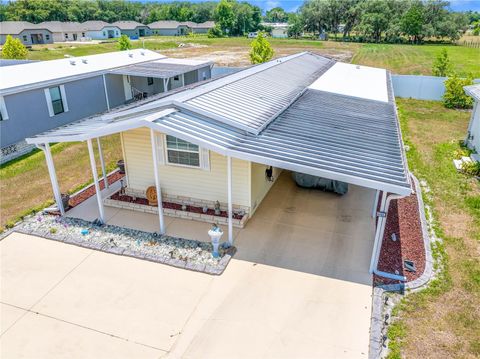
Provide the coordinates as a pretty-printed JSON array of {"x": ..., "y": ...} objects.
[
  {"x": 224, "y": 15},
  {"x": 442, "y": 66},
  {"x": 124, "y": 43},
  {"x": 261, "y": 50},
  {"x": 277, "y": 14},
  {"x": 295, "y": 26},
  {"x": 215, "y": 32},
  {"x": 375, "y": 19},
  {"x": 14, "y": 49},
  {"x": 455, "y": 96},
  {"x": 412, "y": 22}
]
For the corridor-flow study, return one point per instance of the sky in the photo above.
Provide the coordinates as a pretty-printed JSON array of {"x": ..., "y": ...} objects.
[{"x": 293, "y": 5}]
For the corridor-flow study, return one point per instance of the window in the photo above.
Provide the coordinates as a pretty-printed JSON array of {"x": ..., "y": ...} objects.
[
  {"x": 176, "y": 78},
  {"x": 24, "y": 38},
  {"x": 149, "y": 81},
  {"x": 47, "y": 36},
  {"x": 204, "y": 75},
  {"x": 104, "y": 33},
  {"x": 83, "y": 34},
  {"x": 182, "y": 153},
  {"x": 56, "y": 100},
  {"x": 3, "y": 110},
  {"x": 66, "y": 36}
]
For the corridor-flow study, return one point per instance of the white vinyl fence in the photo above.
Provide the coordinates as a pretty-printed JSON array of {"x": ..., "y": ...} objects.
[{"x": 419, "y": 87}]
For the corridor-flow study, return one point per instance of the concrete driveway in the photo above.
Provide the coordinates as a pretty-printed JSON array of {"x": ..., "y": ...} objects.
[{"x": 298, "y": 287}]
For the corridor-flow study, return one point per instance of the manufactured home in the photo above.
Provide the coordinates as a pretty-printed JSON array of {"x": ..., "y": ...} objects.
[
  {"x": 39, "y": 96},
  {"x": 224, "y": 143},
  {"x": 473, "y": 135},
  {"x": 65, "y": 31},
  {"x": 176, "y": 28},
  {"x": 100, "y": 30}
]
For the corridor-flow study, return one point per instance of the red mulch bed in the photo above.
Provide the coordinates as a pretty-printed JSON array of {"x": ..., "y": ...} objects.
[
  {"x": 124, "y": 198},
  {"x": 90, "y": 191},
  {"x": 404, "y": 220}
]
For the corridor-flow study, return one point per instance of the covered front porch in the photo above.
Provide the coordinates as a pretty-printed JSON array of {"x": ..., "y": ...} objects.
[{"x": 300, "y": 229}]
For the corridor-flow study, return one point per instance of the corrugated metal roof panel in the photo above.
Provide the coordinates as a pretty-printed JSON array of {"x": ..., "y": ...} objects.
[
  {"x": 159, "y": 69},
  {"x": 254, "y": 100}
]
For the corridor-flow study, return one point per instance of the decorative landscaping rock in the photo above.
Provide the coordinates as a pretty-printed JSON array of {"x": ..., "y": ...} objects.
[{"x": 182, "y": 253}]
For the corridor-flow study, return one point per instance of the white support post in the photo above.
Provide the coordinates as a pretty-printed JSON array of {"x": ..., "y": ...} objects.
[
  {"x": 375, "y": 203},
  {"x": 229, "y": 191},
  {"x": 95, "y": 180},
  {"x": 378, "y": 232},
  {"x": 53, "y": 177},
  {"x": 183, "y": 80},
  {"x": 106, "y": 92},
  {"x": 157, "y": 181},
  {"x": 165, "y": 85},
  {"x": 102, "y": 163}
]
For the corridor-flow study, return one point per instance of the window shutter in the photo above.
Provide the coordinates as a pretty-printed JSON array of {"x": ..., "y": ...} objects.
[
  {"x": 64, "y": 98},
  {"x": 205, "y": 159},
  {"x": 49, "y": 102},
  {"x": 159, "y": 141}
]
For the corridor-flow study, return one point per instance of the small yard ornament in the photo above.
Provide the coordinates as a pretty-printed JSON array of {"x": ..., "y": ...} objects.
[
  {"x": 218, "y": 211},
  {"x": 152, "y": 196},
  {"x": 215, "y": 234}
]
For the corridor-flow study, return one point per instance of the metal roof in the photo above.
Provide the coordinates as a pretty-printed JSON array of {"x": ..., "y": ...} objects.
[
  {"x": 474, "y": 91},
  {"x": 251, "y": 102},
  {"x": 164, "y": 68},
  {"x": 336, "y": 136}
]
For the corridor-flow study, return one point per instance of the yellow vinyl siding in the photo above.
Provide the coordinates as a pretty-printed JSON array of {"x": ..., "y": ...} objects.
[
  {"x": 181, "y": 181},
  {"x": 260, "y": 185}
]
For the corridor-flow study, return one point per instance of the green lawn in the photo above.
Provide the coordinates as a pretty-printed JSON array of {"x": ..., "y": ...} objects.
[
  {"x": 442, "y": 321},
  {"x": 400, "y": 59}
]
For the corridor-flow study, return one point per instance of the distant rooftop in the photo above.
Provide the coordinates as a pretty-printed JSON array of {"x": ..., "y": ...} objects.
[
  {"x": 59, "y": 26},
  {"x": 16, "y": 27},
  {"x": 127, "y": 25},
  {"x": 32, "y": 75}
]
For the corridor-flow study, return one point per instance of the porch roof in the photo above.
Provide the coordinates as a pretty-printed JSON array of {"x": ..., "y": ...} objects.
[
  {"x": 164, "y": 68},
  {"x": 332, "y": 135}
]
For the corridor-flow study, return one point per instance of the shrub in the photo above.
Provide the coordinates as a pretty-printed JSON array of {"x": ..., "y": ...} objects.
[
  {"x": 471, "y": 168},
  {"x": 442, "y": 66},
  {"x": 455, "y": 96},
  {"x": 14, "y": 49},
  {"x": 124, "y": 43},
  {"x": 215, "y": 32},
  {"x": 53, "y": 230},
  {"x": 261, "y": 49}
]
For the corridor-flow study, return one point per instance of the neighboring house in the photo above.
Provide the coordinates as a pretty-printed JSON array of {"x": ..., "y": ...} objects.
[
  {"x": 176, "y": 28},
  {"x": 101, "y": 30},
  {"x": 473, "y": 135},
  {"x": 133, "y": 29},
  {"x": 30, "y": 34},
  {"x": 279, "y": 30},
  {"x": 65, "y": 31},
  {"x": 228, "y": 139},
  {"x": 39, "y": 96}
]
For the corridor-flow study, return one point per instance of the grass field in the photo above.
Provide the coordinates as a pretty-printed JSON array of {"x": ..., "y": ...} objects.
[
  {"x": 400, "y": 59},
  {"x": 25, "y": 183},
  {"x": 442, "y": 321}
]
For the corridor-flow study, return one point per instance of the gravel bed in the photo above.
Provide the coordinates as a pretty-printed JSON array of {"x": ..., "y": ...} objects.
[
  {"x": 403, "y": 220},
  {"x": 178, "y": 252}
]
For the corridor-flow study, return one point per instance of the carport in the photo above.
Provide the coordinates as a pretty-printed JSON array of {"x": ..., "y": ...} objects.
[{"x": 288, "y": 113}]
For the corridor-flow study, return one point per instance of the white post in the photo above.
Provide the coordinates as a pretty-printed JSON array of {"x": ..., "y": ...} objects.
[
  {"x": 53, "y": 178},
  {"x": 157, "y": 181},
  {"x": 106, "y": 92},
  {"x": 377, "y": 242},
  {"x": 95, "y": 180},
  {"x": 183, "y": 80},
  {"x": 165, "y": 85},
  {"x": 229, "y": 191},
  {"x": 102, "y": 162},
  {"x": 375, "y": 203}
]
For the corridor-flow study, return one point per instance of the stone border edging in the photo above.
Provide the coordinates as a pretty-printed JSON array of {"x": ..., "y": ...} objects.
[
  {"x": 195, "y": 267},
  {"x": 377, "y": 322}
]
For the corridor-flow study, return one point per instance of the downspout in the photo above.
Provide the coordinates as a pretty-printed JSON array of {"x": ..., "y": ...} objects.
[{"x": 385, "y": 204}]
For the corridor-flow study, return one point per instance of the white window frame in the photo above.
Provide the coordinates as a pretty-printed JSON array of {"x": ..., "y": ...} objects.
[
  {"x": 203, "y": 156},
  {"x": 49, "y": 100},
  {"x": 3, "y": 109}
]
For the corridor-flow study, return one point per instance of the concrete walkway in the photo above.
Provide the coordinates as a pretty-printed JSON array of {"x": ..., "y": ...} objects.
[{"x": 297, "y": 288}]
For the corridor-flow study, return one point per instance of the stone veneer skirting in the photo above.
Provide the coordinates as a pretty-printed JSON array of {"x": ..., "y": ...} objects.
[
  {"x": 15, "y": 150},
  {"x": 239, "y": 223}
]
